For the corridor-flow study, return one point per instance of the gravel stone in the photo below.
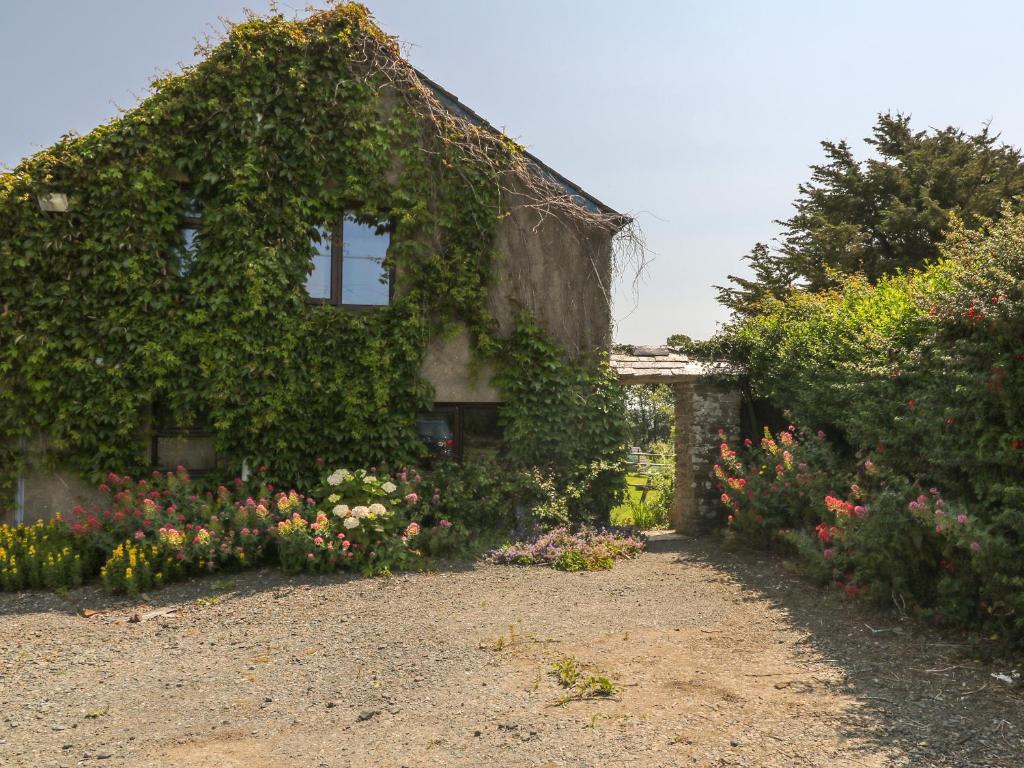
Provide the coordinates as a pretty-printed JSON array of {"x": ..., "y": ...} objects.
[{"x": 721, "y": 658}]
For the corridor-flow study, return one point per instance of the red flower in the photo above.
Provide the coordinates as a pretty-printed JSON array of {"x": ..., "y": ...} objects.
[{"x": 912, "y": 404}]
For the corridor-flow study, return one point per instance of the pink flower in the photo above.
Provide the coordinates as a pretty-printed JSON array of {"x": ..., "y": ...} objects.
[
  {"x": 140, "y": 534},
  {"x": 961, "y": 518},
  {"x": 829, "y": 553},
  {"x": 104, "y": 488},
  {"x": 975, "y": 546},
  {"x": 309, "y": 555},
  {"x": 319, "y": 541},
  {"x": 412, "y": 498},
  {"x": 938, "y": 529}
]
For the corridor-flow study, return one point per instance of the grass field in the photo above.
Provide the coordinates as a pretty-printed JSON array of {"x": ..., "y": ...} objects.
[{"x": 623, "y": 514}]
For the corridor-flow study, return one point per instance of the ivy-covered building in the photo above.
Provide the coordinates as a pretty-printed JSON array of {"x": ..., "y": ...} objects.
[{"x": 298, "y": 248}]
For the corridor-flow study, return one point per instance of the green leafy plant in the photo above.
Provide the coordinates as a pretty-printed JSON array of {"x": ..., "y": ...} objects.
[
  {"x": 284, "y": 124},
  {"x": 579, "y": 683},
  {"x": 40, "y": 556}
]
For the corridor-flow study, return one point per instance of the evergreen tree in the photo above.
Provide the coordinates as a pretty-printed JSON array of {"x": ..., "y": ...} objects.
[
  {"x": 773, "y": 277},
  {"x": 883, "y": 214}
]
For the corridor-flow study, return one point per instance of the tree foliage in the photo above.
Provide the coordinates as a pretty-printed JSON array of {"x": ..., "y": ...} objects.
[
  {"x": 883, "y": 214},
  {"x": 650, "y": 410}
]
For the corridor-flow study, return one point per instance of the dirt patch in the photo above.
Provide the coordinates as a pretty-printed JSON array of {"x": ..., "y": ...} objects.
[{"x": 717, "y": 659}]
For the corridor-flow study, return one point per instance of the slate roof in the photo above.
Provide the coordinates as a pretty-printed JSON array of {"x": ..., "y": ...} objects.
[{"x": 654, "y": 365}]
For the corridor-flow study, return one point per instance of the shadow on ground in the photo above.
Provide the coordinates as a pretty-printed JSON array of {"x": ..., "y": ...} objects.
[
  {"x": 921, "y": 691},
  {"x": 265, "y": 579}
]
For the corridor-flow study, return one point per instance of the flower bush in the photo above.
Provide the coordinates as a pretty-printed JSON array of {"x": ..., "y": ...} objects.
[
  {"x": 586, "y": 548},
  {"x": 37, "y": 556},
  {"x": 874, "y": 534},
  {"x": 134, "y": 567},
  {"x": 152, "y": 531},
  {"x": 362, "y": 522},
  {"x": 160, "y": 529},
  {"x": 922, "y": 373},
  {"x": 773, "y": 485}
]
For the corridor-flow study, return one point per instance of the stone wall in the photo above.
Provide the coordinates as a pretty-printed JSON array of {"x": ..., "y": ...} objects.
[
  {"x": 558, "y": 270},
  {"x": 702, "y": 410},
  {"x": 48, "y": 490}
]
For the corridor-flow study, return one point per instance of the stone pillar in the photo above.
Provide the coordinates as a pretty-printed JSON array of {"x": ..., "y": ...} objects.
[
  {"x": 684, "y": 505},
  {"x": 701, "y": 409},
  {"x": 716, "y": 408}
]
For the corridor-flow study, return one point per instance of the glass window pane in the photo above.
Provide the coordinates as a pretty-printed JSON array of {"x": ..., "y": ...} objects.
[
  {"x": 437, "y": 431},
  {"x": 197, "y": 453},
  {"x": 318, "y": 284},
  {"x": 186, "y": 251},
  {"x": 481, "y": 432},
  {"x": 364, "y": 279}
]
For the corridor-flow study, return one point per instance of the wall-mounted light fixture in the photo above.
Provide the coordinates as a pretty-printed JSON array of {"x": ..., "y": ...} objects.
[{"x": 53, "y": 202}]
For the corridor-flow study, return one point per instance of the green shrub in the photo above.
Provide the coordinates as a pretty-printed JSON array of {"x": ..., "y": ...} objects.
[
  {"x": 776, "y": 484},
  {"x": 39, "y": 556},
  {"x": 922, "y": 374},
  {"x": 134, "y": 567}
]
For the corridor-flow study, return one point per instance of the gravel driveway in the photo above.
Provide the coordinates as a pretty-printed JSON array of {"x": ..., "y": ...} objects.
[{"x": 722, "y": 659}]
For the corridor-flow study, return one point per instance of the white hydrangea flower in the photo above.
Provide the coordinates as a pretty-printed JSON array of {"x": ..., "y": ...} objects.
[
  {"x": 378, "y": 509},
  {"x": 341, "y": 510},
  {"x": 360, "y": 512},
  {"x": 370, "y": 479},
  {"x": 351, "y": 522},
  {"x": 389, "y": 487},
  {"x": 336, "y": 478}
]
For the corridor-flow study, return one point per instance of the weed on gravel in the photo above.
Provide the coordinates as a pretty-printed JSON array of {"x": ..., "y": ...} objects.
[{"x": 580, "y": 683}]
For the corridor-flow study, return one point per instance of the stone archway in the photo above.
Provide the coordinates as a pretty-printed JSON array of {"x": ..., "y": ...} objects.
[{"x": 703, "y": 407}]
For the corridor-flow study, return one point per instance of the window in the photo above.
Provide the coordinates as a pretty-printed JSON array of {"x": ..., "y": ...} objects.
[
  {"x": 349, "y": 264},
  {"x": 188, "y": 245},
  {"x": 461, "y": 431},
  {"x": 173, "y": 444}
]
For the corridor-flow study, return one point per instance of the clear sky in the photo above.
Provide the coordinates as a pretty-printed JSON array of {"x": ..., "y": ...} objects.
[{"x": 699, "y": 117}]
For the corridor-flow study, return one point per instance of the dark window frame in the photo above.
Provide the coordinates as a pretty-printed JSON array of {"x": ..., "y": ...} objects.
[
  {"x": 458, "y": 421},
  {"x": 162, "y": 430},
  {"x": 337, "y": 266}
]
